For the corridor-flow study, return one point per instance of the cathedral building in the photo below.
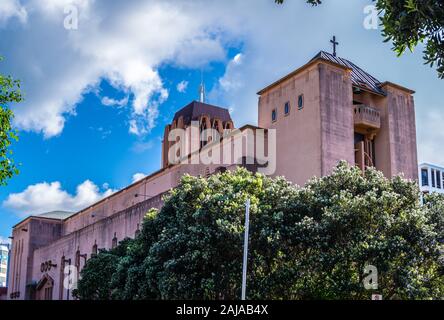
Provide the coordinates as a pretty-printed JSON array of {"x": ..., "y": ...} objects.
[{"x": 325, "y": 111}]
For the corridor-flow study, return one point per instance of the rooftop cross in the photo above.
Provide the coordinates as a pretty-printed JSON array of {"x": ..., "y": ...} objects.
[{"x": 335, "y": 43}]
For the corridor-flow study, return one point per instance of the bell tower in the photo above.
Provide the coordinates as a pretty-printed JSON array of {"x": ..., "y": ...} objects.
[{"x": 195, "y": 116}]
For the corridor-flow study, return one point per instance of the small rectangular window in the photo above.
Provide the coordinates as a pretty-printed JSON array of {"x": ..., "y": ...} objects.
[
  {"x": 424, "y": 177},
  {"x": 273, "y": 115},
  {"x": 301, "y": 102},
  {"x": 433, "y": 179},
  {"x": 287, "y": 108},
  {"x": 438, "y": 179}
]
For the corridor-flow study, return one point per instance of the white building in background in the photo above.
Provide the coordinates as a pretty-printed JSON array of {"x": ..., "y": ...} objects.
[
  {"x": 4, "y": 254},
  {"x": 431, "y": 178}
]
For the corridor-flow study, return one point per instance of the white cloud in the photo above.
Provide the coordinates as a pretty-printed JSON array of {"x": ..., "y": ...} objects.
[
  {"x": 233, "y": 78},
  {"x": 134, "y": 128},
  {"x": 110, "y": 102},
  {"x": 138, "y": 176},
  {"x": 182, "y": 86},
  {"x": 10, "y": 9},
  {"x": 45, "y": 197},
  {"x": 4, "y": 240},
  {"x": 121, "y": 42},
  {"x": 126, "y": 42},
  {"x": 238, "y": 58}
]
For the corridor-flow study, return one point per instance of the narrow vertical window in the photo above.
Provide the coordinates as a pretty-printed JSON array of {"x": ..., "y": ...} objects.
[
  {"x": 433, "y": 179},
  {"x": 438, "y": 179},
  {"x": 424, "y": 177},
  {"x": 94, "y": 250},
  {"x": 273, "y": 115},
  {"x": 287, "y": 108},
  {"x": 114, "y": 241},
  {"x": 301, "y": 101},
  {"x": 77, "y": 261}
]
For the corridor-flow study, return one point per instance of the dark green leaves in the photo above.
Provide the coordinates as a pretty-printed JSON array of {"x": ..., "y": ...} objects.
[
  {"x": 305, "y": 243},
  {"x": 9, "y": 93}
]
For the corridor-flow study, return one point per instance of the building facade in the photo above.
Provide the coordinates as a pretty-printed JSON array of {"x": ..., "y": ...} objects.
[
  {"x": 324, "y": 112},
  {"x": 4, "y": 258},
  {"x": 431, "y": 178},
  {"x": 331, "y": 109}
]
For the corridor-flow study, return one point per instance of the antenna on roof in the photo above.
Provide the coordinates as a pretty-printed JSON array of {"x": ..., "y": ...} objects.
[{"x": 202, "y": 89}]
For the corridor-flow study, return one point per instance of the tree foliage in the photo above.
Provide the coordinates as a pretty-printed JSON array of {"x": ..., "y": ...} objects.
[
  {"x": 9, "y": 93},
  {"x": 305, "y": 243},
  {"x": 95, "y": 284},
  {"x": 406, "y": 23}
]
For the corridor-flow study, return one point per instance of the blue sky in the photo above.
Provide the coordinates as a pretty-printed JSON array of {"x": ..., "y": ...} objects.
[{"x": 98, "y": 97}]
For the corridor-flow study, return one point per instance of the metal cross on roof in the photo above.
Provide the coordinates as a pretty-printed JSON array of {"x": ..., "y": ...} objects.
[{"x": 335, "y": 43}]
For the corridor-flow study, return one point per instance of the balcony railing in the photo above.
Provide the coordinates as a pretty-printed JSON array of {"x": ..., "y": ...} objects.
[{"x": 367, "y": 118}]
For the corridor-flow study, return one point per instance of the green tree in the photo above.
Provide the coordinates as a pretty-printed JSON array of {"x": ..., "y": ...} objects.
[
  {"x": 409, "y": 22},
  {"x": 306, "y": 243},
  {"x": 96, "y": 275},
  {"x": 9, "y": 93}
]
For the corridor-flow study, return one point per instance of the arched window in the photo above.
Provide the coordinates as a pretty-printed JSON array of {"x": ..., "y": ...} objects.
[
  {"x": 204, "y": 125},
  {"x": 287, "y": 108},
  {"x": 301, "y": 102}
]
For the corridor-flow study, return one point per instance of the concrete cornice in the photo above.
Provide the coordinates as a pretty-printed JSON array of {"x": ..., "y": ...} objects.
[
  {"x": 397, "y": 86},
  {"x": 301, "y": 69}
]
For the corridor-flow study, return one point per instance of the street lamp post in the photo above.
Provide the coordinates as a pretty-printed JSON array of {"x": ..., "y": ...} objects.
[{"x": 247, "y": 230}]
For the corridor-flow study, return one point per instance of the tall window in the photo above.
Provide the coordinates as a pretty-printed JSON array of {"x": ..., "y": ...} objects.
[
  {"x": 94, "y": 249},
  {"x": 48, "y": 293},
  {"x": 287, "y": 108},
  {"x": 273, "y": 115},
  {"x": 433, "y": 178},
  {"x": 114, "y": 242},
  {"x": 77, "y": 261},
  {"x": 301, "y": 101},
  {"x": 438, "y": 179},
  {"x": 425, "y": 177}
]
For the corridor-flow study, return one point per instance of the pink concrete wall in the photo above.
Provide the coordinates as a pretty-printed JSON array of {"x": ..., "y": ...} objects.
[
  {"x": 121, "y": 225},
  {"x": 337, "y": 123},
  {"x": 298, "y": 134},
  {"x": 18, "y": 263},
  {"x": 401, "y": 122},
  {"x": 27, "y": 236},
  {"x": 395, "y": 142}
]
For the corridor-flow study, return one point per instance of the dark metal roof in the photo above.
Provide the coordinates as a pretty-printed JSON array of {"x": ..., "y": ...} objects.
[
  {"x": 195, "y": 109},
  {"x": 359, "y": 77},
  {"x": 56, "y": 215}
]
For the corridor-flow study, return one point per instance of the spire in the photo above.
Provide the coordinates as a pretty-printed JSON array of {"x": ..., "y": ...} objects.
[{"x": 202, "y": 90}]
